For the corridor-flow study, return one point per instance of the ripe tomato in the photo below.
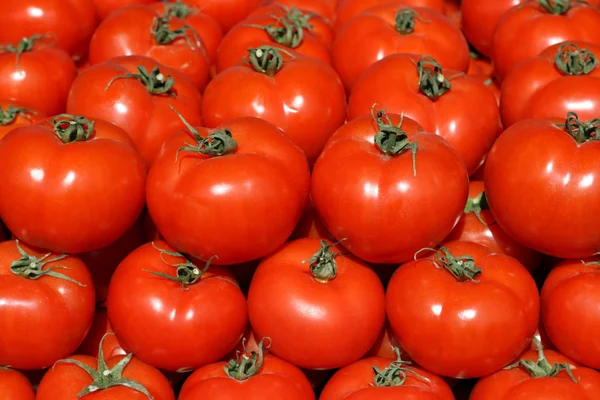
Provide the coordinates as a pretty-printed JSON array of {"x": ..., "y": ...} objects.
[
  {"x": 540, "y": 375},
  {"x": 145, "y": 31},
  {"x": 384, "y": 379},
  {"x": 310, "y": 225},
  {"x": 538, "y": 24},
  {"x": 535, "y": 174},
  {"x": 91, "y": 166},
  {"x": 479, "y": 226},
  {"x": 44, "y": 298},
  {"x": 253, "y": 376},
  {"x": 135, "y": 93},
  {"x": 458, "y": 297},
  {"x": 14, "y": 385},
  {"x": 101, "y": 332},
  {"x": 14, "y": 115},
  {"x": 70, "y": 23},
  {"x": 339, "y": 291},
  {"x": 301, "y": 95},
  {"x": 391, "y": 28},
  {"x": 481, "y": 69},
  {"x": 36, "y": 74},
  {"x": 450, "y": 104},
  {"x": 387, "y": 345},
  {"x": 227, "y": 12},
  {"x": 563, "y": 78},
  {"x": 105, "y": 7},
  {"x": 201, "y": 306},
  {"x": 382, "y": 205},
  {"x": 269, "y": 30}
]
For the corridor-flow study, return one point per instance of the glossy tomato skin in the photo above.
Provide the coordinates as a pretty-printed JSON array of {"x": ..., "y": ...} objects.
[
  {"x": 373, "y": 35},
  {"x": 490, "y": 234},
  {"x": 355, "y": 381},
  {"x": 280, "y": 294},
  {"x": 378, "y": 206},
  {"x": 23, "y": 118},
  {"x": 41, "y": 78},
  {"x": 458, "y": 333},
  {"x": 65, "y": 381},
  {"x": 227, "y": 12},
  {"x": 101, "y": 330},
  {"x": 305, "y": 98},
  {"x": 146, "y": 117},
  {"x": 102, "y": 179},
  {"x": 537, "y": 88},
  {"x": 15, "y": 386},
  {"x": 466, "y": 115},
  {"x": 105, "y": 7},
  {"x": 536, "y": 29},
  {"x": 534, "y": 175},
  {"x": 44, "y": 310},
  {"x": 310, "y": 225},
  {"x": 207, "y": 317},
  {"x": 127, "y": 32}
]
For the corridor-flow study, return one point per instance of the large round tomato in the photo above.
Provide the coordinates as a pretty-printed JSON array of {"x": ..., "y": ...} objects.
[
  {"x": 70, "y": 184},
  {"x": 14, "y": 115},
  {"x": 446, "y": 309},
  {"x": 136, "y": 93},
  {"x": 524, "y": 32},
  {"x": 393, "y": 28},
  {"x": 14, "y": 385},
  {"x": 301, "y": 95},
  {"x": 565, "y": 77},
  {"x": 201, "y": 306},
  {"x": 381, "y": 206},
  {"x": 101, "y": 333},
  {"x": 536, "y": 175},
  {"x": 44, "y": 298},
  {"x": 340, "y": 290},
  {"x": 452, "y": 105},
  {"x": 146, "y": 31},
  {"x": 36, "y": 75},
  {"x": 227, "y": 12}
]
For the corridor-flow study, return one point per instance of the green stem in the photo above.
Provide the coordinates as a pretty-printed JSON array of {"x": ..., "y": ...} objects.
[
  {"x": 395, "y": 373},
  {"x": 9, "y": 115},
  {"x": 186, "y": 274},
  {"x": 266, "y": 59},
  {"x": 286, "y": 33},
  {"x": 179, "y": 10},
  {"x": 542, "y": 368},
  {"x": 322, "y": 264},
  {"x": 572, "y": 60},
  {"x": 247, "y": 366},
  {"x": 432, "y": 82},
  {"x": 556, "y": 7},
  {"x": 24, "y": 46},
  {"x": 463, "y": 267},
  {"x": 582, "y": 131},
  {"x": 154, "y": 81},
  {"x": 405, "y": 21},
  {"x": 70, "y": 128},
  {"x": 164, "y": 35},
  {"x": 476, "y": 205},
  {"x": 296, "y": 16}
]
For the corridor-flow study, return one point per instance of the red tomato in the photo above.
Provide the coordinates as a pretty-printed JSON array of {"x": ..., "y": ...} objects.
[
  {"x": 135, "y": 93},
  {"x": 91, "y": 166},
  {"x": 227, "y": 12},
  {"x": 36, "y": 74},
  {"x": 382, "y": 205},
  {"x": 384, "y": 379},
  {"x": 479, "y": 226},
  {"x": 70, "y": 23},
  {"x": 101, "y": 332},
  {"x": 540, "y": 375},
  {"x": 322, "y": 8},
  {"x": 535, "y": 175},
  {"x": 158, "y": 290},
  {"x": 446, "y": 308},
  {"x": 387, "y": 345},
  {"x": 142, "y": 30},
  {"x": 301, "y": 95},
  {"x": 44, "y": 298},
  {"x": 481, "y": 69},
  {"x": 105, "y": 7},
  {"x": 253, "y": 376},
  {"x": 269, "y": 30},
  {"x": 14, "y": 115},
  {"x": 311, "y": 286},
  {"x": 563, "y": 78},
  {"x": 452, "y": 105},
  {"x": 524, "y": 32},
  {"x": 310, "y": 225},
  {"x": 391, "y": 28},
  {"x": 14, "y": 385}
]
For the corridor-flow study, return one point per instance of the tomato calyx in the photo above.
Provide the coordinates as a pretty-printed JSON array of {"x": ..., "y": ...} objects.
[
  {"x": 582, "y": 131},
  {"x": 395, "y": 373},
  {"x": 573, "y": 60},
  {"x": 154, "y": 81},
  {"x": 9, "y": 115},
  {"x": 322, "y": 264},
  {"x": 300, "y": 18},
  {"x": 267, "y": 60},
  {"x": 247, "y": 366},
  {"x": 476, "y": 205},
  {"x": 285, "y": 32},
  {"x": 405, "y": 20},
  {"x": 542, "y": 368},
  {"x": 432, "y": 82},
  {"x": 164, "y": 35},
  {"x": 179, "y": 10},
  {"x": 32, "y": 267},
  {"x": 71, "y": 128},
  {"x": 25, "y": 45},
  {"x": 463, "y": 267},
  {"x": 556, "y": 7},
  {"x": 105, "y": 377}
]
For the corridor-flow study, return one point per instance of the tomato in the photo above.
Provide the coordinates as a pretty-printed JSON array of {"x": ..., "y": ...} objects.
[
  {"x": 524, "y": 32},
  {"x": 482, "y": 69},
  {"x": 310, "y": 225},
  {"x": 446, "y": 308},
  {"x": 387, "y": 345},
  {"x": 70, "y": 23},
  {"x": 145, "y": 31},
  {"x": 536, "y": 174},
  {"x": 563, "y": 78},
  {"x": 227, "y": 12},
  {"x": 269, "y": 30},
  {"x": 101, "y": 332},
  {"x": 301, "y": 95},
  {"x": 540, "y": 375},
  {"x": 313, "y": 274},
  {"x": 384, "y": 379},
  {"x": 253, "y": 376},
  {"x": 135, "y": 93},
  {"x": 44, "y": 298},
  {"x": 105, "y": 7},
  {"x": 36, "y": 74},
  {"x": 322, "y": 8},
  {"x": 90, "y": 165},
  {"x": 391, "y": 28},
  {"x": 14, "y": 115},
  {"x": 450, "y": 104},
  {"x": 382, "y": 205},
  {"x": 14, "y": 385},
  {"x": 479, "y": 226}
]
